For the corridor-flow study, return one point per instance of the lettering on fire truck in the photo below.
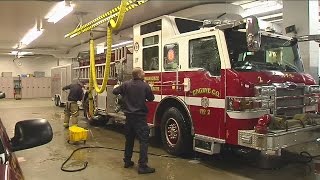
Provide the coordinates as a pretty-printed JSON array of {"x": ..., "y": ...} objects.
[
  {"x": 151, "y": 80},
  {"x": 201, "y": 91},
  {"x": 289, "y": 75},
  {"x": 205, "y": 112}
]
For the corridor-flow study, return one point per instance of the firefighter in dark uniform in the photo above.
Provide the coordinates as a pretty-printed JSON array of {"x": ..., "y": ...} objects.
[
  {"x": 135, "y": 93},
  {"x": 71, "y": 110}
]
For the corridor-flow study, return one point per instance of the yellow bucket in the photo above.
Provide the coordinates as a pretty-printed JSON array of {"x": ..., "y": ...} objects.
[{"x": 78, "y": 134}]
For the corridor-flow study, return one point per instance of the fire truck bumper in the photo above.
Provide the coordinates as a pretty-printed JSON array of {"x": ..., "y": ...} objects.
[{"x": 279, "y": 139}]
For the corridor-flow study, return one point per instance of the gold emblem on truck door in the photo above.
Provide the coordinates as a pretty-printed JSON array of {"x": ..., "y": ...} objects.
[{"x": 205, "y": 102}]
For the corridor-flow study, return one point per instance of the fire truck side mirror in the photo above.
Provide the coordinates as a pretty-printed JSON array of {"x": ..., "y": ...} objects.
[
  {"x": 186, "y": 84},
  {"x": 253, "y": 33}
]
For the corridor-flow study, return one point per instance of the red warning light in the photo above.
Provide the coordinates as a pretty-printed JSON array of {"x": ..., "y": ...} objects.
[{"x": 171, "y": 56}]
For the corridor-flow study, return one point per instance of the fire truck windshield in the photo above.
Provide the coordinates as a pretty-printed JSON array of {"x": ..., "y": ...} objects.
[{"x": 274, "y": 54}]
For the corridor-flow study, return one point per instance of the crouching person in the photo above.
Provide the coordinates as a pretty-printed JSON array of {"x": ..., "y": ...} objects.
[{"x": 71, "y": 110}]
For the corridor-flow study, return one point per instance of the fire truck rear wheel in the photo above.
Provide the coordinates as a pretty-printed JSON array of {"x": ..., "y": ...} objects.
[{"x": 176, "y": 132}]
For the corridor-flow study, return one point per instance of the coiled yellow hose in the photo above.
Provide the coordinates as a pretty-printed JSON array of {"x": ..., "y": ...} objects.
[{"x": 93, "y": 84}]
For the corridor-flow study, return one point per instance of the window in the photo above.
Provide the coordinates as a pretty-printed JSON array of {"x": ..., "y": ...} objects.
[
  {"x": 203, "y": 53},
  {"x": 171, "y": 57},
  {"x": 151, "y": 58},
  {"x": 148, "y": 41},
  {"x": 274, "y": 54},
  {"x": 150, "y": 27},
  {"x": 186, "y": 25}
]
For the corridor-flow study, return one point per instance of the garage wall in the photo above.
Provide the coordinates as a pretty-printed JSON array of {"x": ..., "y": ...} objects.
[
  {"x": 64, "y": 61},
  {"x": 28, "y": 65}
]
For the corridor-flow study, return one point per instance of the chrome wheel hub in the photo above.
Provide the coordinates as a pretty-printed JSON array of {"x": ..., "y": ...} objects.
[{"x": 172, "y": 131}]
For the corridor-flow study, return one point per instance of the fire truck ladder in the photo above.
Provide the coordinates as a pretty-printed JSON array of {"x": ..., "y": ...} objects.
[{"x": 120, "y": 57}]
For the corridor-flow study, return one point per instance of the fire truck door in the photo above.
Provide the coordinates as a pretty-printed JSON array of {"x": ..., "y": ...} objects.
[
  {"x": 205, "y": 96},
  {"x": 150, "y": 60}
]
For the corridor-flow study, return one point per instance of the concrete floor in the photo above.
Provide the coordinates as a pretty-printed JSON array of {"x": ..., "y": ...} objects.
[{"x": 44, "y": 162}]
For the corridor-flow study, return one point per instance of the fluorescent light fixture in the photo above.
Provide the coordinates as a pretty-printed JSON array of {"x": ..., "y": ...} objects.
[
  {"x": 242, "y": 2},
  {"x": 261, "y": 7},
  {"x": 254, "y": 4},
  {"x": 276, "y": 20},
  {"x": 31, "y": 35},
  {"x": 266, "y": 7},
  {"x": 271, "y": 16},
  {"x": 121, "y": 44},
  {"x": 59, "y": 11},
  {"x": 22, "y": 53}
]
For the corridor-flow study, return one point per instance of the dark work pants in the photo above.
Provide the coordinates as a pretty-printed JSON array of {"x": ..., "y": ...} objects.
[{"x": 136, "y": 126}]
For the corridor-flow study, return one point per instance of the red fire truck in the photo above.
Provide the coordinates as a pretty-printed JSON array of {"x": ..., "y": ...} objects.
[{"x": 221, "y": 83}]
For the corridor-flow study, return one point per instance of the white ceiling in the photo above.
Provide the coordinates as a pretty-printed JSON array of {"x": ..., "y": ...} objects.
[{"x": 17, "y": 17}]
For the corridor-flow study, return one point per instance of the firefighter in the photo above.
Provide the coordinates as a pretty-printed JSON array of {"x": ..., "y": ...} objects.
[
  {"x": 71, "y": 109},
  {"x": 135, "y": 93}
]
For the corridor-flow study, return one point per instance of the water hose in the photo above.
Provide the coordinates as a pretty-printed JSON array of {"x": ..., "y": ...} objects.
[
  {"x": 85, "y": 163},
  {"x": 93, "y": 84}
]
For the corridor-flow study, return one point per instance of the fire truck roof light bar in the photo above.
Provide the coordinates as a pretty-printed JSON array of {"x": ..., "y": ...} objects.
[{"x": 104, "y": 18}]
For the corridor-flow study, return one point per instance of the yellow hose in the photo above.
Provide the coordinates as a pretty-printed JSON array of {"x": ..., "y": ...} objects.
[{"x": 93, "y": 84}]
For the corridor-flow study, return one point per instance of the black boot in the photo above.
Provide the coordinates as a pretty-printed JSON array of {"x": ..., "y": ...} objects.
[
  {"x": 128, "y": 164},
  {"x": 145, "y": 170}
]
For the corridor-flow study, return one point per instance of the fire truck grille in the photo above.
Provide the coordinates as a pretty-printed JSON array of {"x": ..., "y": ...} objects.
[
  {"x": 281, "y": 92},
  {"x": 289, "y": 101},
  {"x": 289, "y": 112}
]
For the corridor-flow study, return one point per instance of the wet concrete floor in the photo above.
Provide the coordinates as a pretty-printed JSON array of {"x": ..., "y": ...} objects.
[{"x": 44, "y": 162}]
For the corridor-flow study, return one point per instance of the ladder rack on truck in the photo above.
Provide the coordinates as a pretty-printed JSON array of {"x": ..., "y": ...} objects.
[
  {"x": 121, "y": 60},
  {"x": 118, "y": 57}
]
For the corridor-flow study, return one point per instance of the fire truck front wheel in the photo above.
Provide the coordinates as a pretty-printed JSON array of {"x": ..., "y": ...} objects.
[{"x": 176, "y": 132}]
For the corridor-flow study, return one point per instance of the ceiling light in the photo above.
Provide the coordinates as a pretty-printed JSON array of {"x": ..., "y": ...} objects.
[
  {"x": 121, "y": 44},
  {"x": 22, "y": 53},
  {"x": 276, "y": 20},
  {"x": 261, "y": 7},
  {"x": 271, "y": 16},
  {"x": 31, "y": 35},
  {"x": 242, "y": 2},
  {"x": 59, "y": 11}
]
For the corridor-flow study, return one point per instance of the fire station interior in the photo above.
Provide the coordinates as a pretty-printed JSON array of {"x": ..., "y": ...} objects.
[{"x": 235, "y": 84}]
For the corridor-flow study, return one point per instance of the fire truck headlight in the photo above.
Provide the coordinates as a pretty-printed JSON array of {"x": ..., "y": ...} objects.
[
  {"x": 248, "y": 103},
  {"x": 313, "y": 89}
]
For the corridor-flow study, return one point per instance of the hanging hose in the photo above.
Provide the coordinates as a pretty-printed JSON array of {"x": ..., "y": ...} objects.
[{"x": 93, "y": 84}]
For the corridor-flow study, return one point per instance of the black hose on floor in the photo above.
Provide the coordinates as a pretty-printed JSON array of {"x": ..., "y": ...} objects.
[
  {"x": 85, "y": 164},
  {"x": 308, "y": 156},
  {"x": 304, "y": 158}
]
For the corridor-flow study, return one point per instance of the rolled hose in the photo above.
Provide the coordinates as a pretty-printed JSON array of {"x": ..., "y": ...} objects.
[{"x": 93, "y": 84}]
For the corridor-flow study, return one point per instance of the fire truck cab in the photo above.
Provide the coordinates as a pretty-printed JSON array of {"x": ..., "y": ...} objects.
[{"x": 219, "y": 83}]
